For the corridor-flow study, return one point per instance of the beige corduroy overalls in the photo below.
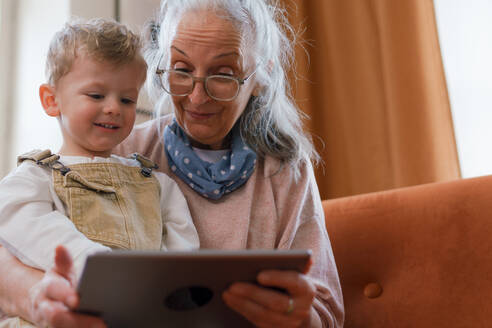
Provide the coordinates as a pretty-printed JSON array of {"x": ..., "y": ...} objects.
[{"x": 111, "y": 203}]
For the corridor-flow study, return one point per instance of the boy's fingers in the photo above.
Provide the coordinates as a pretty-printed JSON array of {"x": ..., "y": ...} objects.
[
  {"x": 54, "y": 314},
  {"x": 63, "y": 262},
  {"x": 53, "y": 289},
  {"x": 61, "y": 291},
  {"x": 76, "y": 320}
]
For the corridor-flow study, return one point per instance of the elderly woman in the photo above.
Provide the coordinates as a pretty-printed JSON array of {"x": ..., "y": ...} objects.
[{"x": 235, "y": 146}]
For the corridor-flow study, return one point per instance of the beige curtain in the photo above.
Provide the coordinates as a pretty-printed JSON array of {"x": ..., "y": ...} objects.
[{"x": 375, "y": 90}]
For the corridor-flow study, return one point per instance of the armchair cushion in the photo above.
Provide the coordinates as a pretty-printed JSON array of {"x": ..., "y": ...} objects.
[{"x": 417, "y": 256}]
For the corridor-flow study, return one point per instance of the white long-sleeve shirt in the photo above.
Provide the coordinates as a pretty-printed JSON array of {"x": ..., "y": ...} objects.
[{"x": 33, "y": 220}]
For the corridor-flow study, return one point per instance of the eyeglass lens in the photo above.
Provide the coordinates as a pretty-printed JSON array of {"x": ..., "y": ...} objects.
[{"x": 181, "y": 84}]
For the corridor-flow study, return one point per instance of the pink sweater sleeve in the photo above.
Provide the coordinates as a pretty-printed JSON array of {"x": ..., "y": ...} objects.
[{"x": 303, "y": 227}]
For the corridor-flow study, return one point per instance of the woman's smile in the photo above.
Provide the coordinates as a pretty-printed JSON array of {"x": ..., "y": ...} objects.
[{"x": 199, "y": 115}]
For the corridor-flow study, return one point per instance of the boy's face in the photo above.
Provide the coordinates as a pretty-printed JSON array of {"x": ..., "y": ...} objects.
[{"x": 95, "y": 102}]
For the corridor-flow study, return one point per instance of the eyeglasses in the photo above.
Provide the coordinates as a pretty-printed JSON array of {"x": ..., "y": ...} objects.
[{"x": 218, "y": 87}]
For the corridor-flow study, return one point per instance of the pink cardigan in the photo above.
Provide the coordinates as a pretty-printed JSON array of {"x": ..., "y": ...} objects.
[{"x": 270, "y": 211}]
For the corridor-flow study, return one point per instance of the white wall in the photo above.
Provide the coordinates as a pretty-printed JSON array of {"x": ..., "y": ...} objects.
[
  {"x": 93, "y": 8},
  {"x": 8, "y": 9},
  {"x": 136, "y": 13},
  {"x": 35, "y": 25},
  {"x": 465, "y": 32}
]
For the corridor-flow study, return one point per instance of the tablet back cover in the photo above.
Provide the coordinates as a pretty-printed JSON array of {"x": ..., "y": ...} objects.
[{"x": 174, "y": 289}]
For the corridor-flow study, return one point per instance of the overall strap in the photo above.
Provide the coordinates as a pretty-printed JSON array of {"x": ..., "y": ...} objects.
[
  {"x": 44, "y": 158},
  {"x": 146, "y": 164}
]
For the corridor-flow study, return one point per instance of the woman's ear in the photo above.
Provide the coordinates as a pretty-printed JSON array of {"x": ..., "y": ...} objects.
[
  {"x": 48, "y": 100},
  {"x": 256, "y": 90}
]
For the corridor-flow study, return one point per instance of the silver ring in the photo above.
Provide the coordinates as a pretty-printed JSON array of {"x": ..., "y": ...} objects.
[{"x": 290, "y": 307}]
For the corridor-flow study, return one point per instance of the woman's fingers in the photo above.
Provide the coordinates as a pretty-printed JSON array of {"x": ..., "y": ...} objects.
[
  {"x": 297, "y": 285},
  {"x": 267, "y": 307},
  {"x": 271, "y": 299},
  {"x": 243, "y": 298}
]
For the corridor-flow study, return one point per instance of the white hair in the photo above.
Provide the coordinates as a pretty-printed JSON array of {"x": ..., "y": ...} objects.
[{"x": 271, "y": 123}]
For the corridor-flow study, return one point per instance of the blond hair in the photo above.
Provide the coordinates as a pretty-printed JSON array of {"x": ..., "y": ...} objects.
[{"x": 100, "y": 39}]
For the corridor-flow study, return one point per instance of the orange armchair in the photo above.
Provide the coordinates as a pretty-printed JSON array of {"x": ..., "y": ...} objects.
[{"x": 417, "y": 256}]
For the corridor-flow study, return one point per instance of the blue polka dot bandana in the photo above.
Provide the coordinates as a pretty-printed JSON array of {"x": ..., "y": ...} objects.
[{"x": 211, "y": 180}]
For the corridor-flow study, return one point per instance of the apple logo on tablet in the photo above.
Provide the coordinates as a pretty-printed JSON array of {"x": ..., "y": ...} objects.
[{"x": 188, "y": 298}]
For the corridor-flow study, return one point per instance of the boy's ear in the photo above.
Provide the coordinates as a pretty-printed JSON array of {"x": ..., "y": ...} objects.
[{"x": 48, "y": 100}]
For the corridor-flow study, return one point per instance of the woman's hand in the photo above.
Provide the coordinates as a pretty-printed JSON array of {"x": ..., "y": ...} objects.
[
  {"x": 266, "y": 307},
  {"x": 54, "y": 297}
]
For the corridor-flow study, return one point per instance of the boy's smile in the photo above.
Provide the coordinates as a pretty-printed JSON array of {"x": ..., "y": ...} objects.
[
  {"x": 95, "y": 103},
  {"x": 107, "y": 125}
]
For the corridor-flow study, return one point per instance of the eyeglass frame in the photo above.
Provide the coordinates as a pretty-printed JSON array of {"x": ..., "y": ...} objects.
[{"x": 239, "y": 80}]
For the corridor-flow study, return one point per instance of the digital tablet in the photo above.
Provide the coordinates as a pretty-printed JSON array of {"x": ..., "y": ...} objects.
[{"x": 174, "y": 289}]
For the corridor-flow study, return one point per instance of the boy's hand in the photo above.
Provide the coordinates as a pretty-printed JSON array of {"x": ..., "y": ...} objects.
[{"x": 54, "y": 297}]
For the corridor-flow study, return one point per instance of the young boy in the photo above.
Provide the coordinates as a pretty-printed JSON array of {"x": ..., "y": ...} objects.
[{"x": 95, "y": 71}]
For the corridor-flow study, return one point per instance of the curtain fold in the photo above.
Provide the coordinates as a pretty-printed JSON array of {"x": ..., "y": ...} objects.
[{"x": 370, "y": 76}]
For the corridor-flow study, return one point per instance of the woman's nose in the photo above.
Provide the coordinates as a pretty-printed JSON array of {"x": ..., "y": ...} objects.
[{"x": 199, "y": 95}]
